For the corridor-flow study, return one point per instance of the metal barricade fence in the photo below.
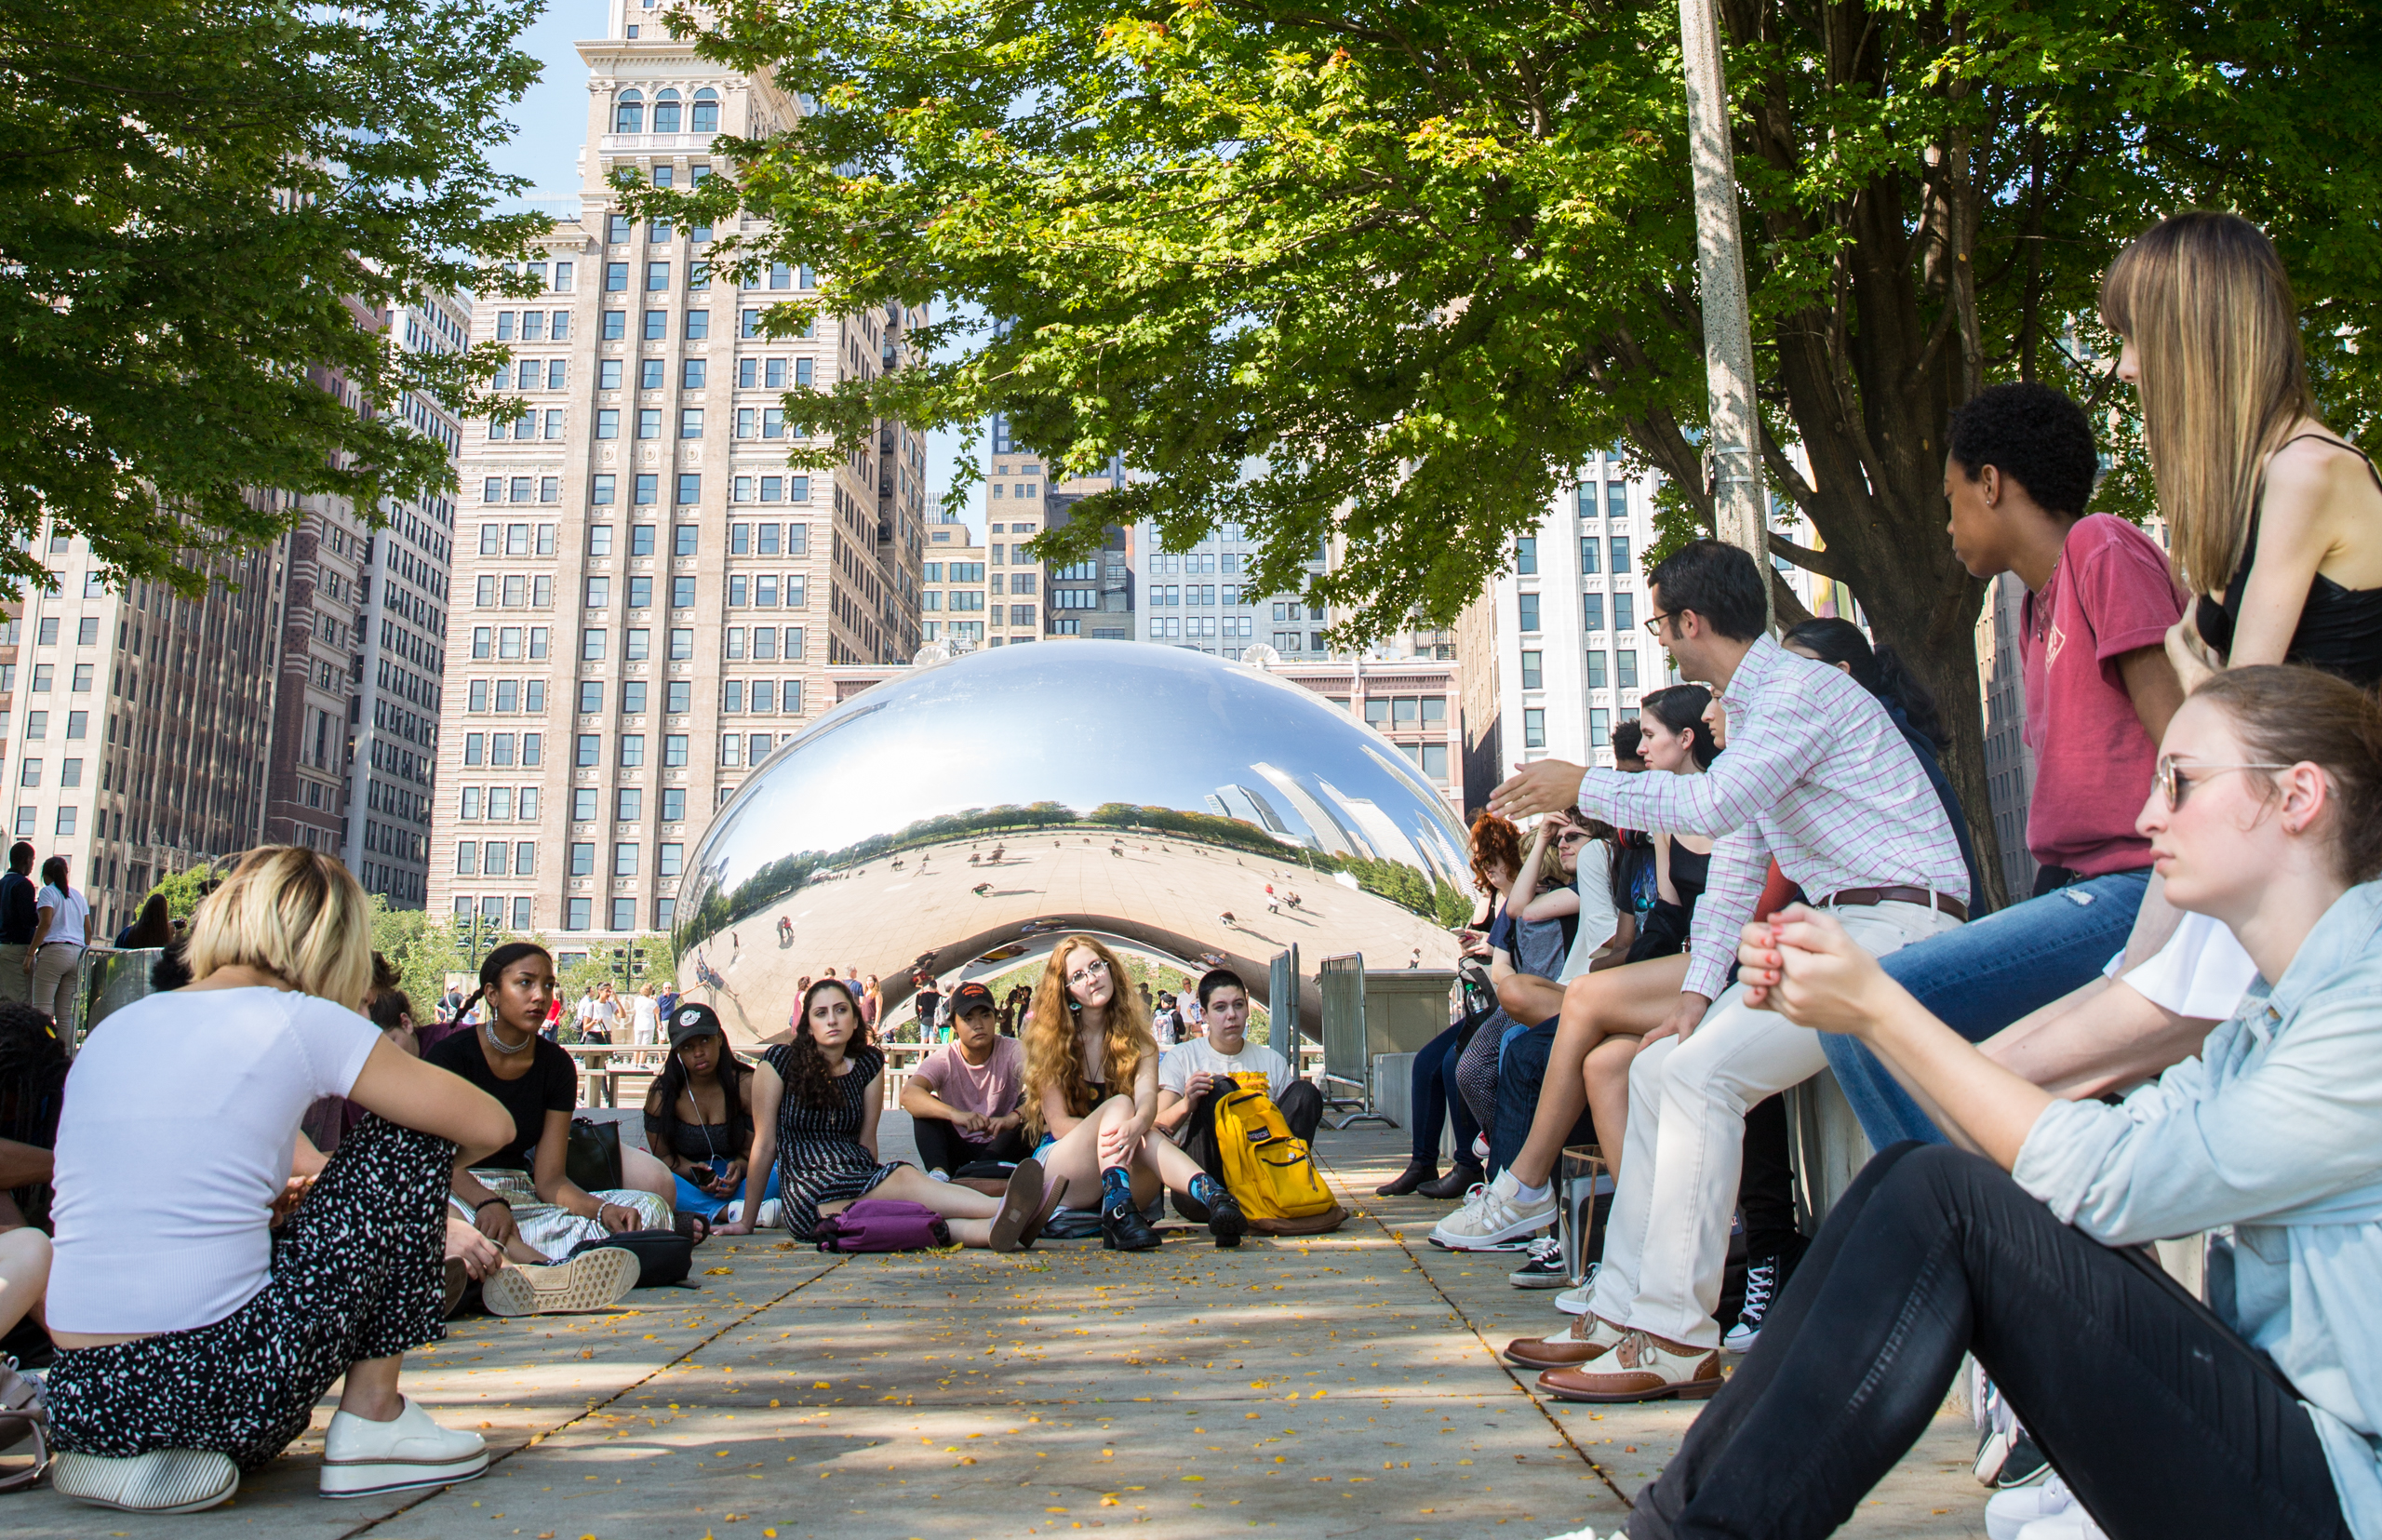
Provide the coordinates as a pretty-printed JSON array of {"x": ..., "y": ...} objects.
[
  {"x": 1347, "y": 1050},
  {"x": 1282, "y": 1003}
]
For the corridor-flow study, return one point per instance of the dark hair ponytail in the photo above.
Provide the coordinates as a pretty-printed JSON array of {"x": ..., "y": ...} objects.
[
  {"x": 492, "y": 968},
  {"x": 1681, "y": 708},
  {"x": 1879, "y": 670}
]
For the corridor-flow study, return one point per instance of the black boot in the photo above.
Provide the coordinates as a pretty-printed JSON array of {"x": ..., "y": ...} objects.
[
  {"x": 1122, "y": 1229},
  {"x": 1226, "y": 1223},
  {"x": 1414, "y": 1176},
  {"x": 1460, "y": 1179}
]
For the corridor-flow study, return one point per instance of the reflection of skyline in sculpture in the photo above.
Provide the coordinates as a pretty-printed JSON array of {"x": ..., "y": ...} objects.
[{"x": 1137, "y": 791}]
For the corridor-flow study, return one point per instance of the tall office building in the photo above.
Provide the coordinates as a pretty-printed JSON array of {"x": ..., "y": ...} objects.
[
  {"x": 647, "y": 596},
  {"x": 402, "y": 604},
  {"x": 361, "y": 645},
  {"x": 138, "y": 721},
  {"x": 1571, "y": 659},
  {"x": 1027, "y": 600}
]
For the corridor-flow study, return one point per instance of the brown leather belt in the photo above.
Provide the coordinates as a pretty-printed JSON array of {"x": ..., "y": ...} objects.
[{"x": 1861, "y": 898}]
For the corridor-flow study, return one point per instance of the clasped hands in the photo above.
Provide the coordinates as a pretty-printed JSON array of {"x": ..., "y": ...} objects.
[{"x": 1801, "y": 964}]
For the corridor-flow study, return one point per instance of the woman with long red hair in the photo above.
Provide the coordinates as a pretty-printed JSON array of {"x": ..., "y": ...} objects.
[{"x": 1091, "y": 1094}]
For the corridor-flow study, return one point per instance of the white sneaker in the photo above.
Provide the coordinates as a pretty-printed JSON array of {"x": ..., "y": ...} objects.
[
  {"x": 164, "y": 1480},
  {"x": 2009, "y": 1511},
  {"x": 592, "y": 1280},
  {"x": 363, "y": 1459},
  {"x": 1574, "y": 1302},
  {"x": 1500, "y": 1214},
  {"x": 2070, "y": 1524}
]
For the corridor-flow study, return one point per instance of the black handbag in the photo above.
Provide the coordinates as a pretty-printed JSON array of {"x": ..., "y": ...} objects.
[
  {"x": 593, "y": 1159},
  {"x": 662, "y": 1256}
]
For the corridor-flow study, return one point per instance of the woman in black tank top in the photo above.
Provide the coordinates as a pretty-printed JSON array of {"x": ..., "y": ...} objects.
[
  {"x": 2279, "y": 536},
  {"x": 2339, "y": 630},
  {"x": 1677, "y": 740}
]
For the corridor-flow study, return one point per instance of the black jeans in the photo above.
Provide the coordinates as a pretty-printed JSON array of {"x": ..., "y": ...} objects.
[
  {"x": 2164, "y": 1422},
  {"x": 941, "y": 1148},
  {"x": 1766, "y": 1182},
  {"x": 1519, "y": 1074},
  {"x": 1302, "y": 1107},
  {"x": 1434, "y": 1097}
]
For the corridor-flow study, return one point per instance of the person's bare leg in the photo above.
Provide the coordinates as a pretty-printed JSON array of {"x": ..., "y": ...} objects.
[
  {"x": 370, "y": 1392},
  {"x": 1606, "y": 1076},
  {"x": 1071, "y": 1167},
  {"x": 1528, "y": 998},
  {"x": 641, "y": 1172},
  {"x": 1630, "y": 1000},
  {"x": 1163, "y": 1164},
  {"x": 948, "y": 1198}
]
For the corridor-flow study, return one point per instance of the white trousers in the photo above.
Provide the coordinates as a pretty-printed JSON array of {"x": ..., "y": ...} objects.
[{"x": 1667, "y": 1242}]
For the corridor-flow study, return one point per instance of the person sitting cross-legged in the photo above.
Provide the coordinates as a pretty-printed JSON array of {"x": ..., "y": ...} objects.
[
  {"x": 202, "y": 1302},
  {"x": 963, "y": 1099},
  {"x": 1193, "y": 1077},
  {"x": 521, "y": 1196}
]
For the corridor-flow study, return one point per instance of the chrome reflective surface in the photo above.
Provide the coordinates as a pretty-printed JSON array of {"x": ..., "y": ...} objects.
[{"x": 983, "y": 804}]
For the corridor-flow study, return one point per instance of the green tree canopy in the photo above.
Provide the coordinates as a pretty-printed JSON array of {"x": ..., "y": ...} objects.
[
  {"x": 204, "y": 205},
  {"x": 1388, "y": 273}
]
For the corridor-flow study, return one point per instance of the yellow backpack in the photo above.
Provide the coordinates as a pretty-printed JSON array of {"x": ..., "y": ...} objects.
[{"x": 1269, "y": 1171}]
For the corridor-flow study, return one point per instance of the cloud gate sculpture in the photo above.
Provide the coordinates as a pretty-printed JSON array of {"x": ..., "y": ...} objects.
[{"x": 966, "y": 809}]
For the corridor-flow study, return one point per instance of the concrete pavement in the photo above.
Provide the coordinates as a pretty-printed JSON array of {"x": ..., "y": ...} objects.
[{"x": 1343, "y": 1385}]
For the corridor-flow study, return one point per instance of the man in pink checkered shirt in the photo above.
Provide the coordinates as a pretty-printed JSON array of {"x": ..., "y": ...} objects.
[{"x": 1819, "y": 777}]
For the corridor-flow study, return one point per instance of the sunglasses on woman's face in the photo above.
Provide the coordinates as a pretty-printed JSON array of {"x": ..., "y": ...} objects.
[
  {"x": 2174, "y": 784},
  {"x": 1572, "y": 836}
]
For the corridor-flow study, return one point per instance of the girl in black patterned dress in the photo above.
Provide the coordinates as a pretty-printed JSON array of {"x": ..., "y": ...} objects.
[{"x": 815, "y": 1104}]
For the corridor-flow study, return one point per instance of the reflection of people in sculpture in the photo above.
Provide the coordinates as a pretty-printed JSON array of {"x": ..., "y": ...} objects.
[
  {"x": 786, "y": 932},
  {"x": 980, "y": 889},
  {"x": 1225, "y": 919},
  {"x": 973, "y": 857},
  {"x": 996, "y": 851},
  {"x": 1091, "y": 1092}
]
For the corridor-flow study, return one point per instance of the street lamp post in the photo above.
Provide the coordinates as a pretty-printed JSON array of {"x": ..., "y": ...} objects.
[{"x": 1740, "y": 507}]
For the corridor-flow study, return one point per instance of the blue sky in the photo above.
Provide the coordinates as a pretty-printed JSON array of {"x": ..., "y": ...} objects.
[{"x": 552, "y": 120}]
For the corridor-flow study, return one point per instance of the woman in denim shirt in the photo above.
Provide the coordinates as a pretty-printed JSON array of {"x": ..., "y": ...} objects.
[{"x": 2258, "y": 1417}]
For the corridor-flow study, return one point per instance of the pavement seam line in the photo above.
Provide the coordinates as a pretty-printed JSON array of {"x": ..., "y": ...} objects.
[
  {"x": 593, "y": 1407},
  {"x": 1398, "y": 1240}
]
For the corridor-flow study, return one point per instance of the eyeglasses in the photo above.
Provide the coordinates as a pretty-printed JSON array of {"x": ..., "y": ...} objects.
[
  {"x": 1574, "y": 837},
  {"x": 1096, "y": 967},
  {"x": 1654, "y": 623},
  {"x": 2173, "y": 785}
]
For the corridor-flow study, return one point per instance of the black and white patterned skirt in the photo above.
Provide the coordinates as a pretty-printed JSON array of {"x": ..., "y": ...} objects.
[{"x": 356, "y": 1275}]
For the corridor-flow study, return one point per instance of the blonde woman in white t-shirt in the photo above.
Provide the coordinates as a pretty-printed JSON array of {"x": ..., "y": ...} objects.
[{"x": 202, "y": 1298}]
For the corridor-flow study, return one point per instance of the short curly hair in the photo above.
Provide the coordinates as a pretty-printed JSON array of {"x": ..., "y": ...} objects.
[{"x": 2033, "y": 435}]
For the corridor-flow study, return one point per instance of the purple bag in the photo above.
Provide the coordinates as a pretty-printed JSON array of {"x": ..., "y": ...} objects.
[{"x": 882, "y": 1224}]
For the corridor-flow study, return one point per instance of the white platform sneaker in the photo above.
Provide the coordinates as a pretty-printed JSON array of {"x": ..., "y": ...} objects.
[{"x": 363, "y": 1459}]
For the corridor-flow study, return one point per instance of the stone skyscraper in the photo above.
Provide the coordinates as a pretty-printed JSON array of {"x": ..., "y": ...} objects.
[{"x": 647, "y": 596}]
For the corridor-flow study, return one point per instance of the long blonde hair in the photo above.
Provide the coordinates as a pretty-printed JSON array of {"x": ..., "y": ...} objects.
[
  {"x": 2208, "y": 307},
  {"x": 1053, "y": 1056},
  {"x": 295, "y": 914}
]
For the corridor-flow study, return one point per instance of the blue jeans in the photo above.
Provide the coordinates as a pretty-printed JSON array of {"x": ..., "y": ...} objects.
[
  {"x": 1983, "y": 976},
  {"x": 1434, "y": 1079}
]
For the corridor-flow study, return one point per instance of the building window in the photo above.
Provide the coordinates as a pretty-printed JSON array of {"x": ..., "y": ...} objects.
[
  {"x": 1534, "y": 728},
  {"x": 1624, "y": 616},
  {"x": 1619, "y": 553},
  {"x": 631, "y": 750},
  {"x": 1600, "y": 729},
  {"x": 1533, "y": 676},
  {"x": 1589, "y": 564},
  {"x": 575, "y": 914},
  {"x": 625, "y": 859},
  {"x": 1596, "y": 668},
  {"x": 1624, "y": 669},
  {"x": 1526, "y": 556},
  {"x": 1527, "y": 603}
]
